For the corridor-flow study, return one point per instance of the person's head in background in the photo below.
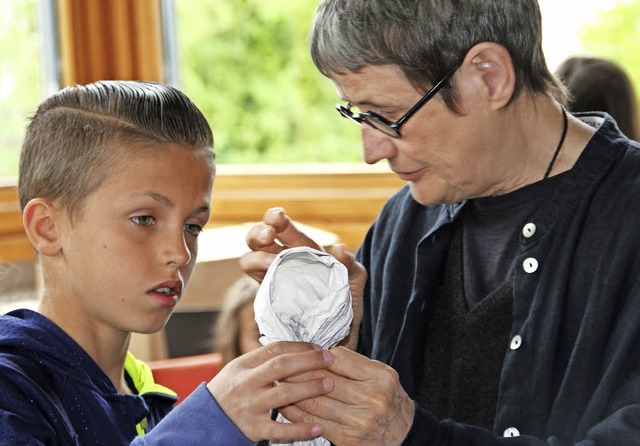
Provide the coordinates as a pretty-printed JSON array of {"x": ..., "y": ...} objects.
[
  {"x": 597, "y": 84},
  {"x": 236, "y": 331}
]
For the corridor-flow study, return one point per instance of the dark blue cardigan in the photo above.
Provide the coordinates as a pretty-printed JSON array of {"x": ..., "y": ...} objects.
[{"x": 575, "y": 379}]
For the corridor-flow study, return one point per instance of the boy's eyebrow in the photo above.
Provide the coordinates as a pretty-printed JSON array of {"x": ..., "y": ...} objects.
[
  {"x": 166, "y": 201},
  {"x": 162, "y": 199}
]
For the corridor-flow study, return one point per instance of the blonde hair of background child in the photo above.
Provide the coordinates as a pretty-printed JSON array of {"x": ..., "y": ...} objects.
[{"x": 227, "y": 327}]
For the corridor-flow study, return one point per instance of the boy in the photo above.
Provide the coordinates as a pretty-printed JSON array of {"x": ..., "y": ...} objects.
[{"x": 115, "y": 185}]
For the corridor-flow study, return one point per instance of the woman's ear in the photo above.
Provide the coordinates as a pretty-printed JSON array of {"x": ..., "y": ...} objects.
[
  {"x": 489, "y": 67},
  {"x": 40, "y": 219}
]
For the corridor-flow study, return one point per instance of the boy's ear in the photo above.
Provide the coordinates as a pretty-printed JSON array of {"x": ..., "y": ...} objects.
[
  {"x": 490, "y": 69},
  {"x": 40, "y": 219}
]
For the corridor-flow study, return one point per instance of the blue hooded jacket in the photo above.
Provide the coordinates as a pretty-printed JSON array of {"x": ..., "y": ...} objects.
[{"x": 53, "y": 392}]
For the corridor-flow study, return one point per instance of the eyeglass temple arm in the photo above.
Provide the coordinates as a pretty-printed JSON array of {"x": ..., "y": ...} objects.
[{"x": 427, "y": 96}]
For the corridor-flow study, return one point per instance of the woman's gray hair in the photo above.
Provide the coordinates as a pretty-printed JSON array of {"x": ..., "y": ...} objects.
[
  {"x": 427, "y": 38},
  {"x": 79, "y": 134}
]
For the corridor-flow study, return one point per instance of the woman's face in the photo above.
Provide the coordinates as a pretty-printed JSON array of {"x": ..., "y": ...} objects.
[{"x": 442, "y": 155}]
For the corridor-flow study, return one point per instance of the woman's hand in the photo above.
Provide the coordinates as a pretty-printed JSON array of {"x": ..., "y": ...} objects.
[
  {"x": 275, "y": 234},
  {"x": 251, "y": 385}
]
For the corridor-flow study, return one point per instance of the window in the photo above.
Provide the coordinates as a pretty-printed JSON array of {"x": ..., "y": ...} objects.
[
  {"x": 22, "y": 74},
  {"x": 247, "y": 66}
]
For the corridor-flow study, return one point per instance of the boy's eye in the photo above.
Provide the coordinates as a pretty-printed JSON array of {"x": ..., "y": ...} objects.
[
  {"x": 144, "y": 220},
  {"x": 192, "y": 229}
]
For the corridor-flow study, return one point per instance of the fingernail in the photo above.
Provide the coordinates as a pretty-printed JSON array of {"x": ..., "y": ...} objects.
[
  {"x": 316, "y": 347},
  {"x": 316, "y": 430},
  {"x": 328, "y": 356},
  {"x": 327, "y": 384}
]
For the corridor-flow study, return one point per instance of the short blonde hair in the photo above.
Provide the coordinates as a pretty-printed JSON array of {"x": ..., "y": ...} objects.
[{"x": 79, "y": 134}]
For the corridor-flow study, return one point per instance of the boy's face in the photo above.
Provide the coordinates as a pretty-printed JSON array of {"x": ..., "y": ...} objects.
[{"x": 131, "y": 251}]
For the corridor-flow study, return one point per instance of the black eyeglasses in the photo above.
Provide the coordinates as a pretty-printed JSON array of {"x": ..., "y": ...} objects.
[{"x": 385, "y": 126}]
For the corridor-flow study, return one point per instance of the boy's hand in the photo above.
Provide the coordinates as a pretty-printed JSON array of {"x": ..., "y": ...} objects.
[
  {"x": 250, "y": 386},
  {"x": 276, "y": 233}
]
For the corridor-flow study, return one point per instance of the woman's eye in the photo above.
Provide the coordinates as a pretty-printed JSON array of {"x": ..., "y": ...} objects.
[
  {"x": 192, "y": 229},
  {"x": 144, "y": 220},
  {"x": 386, "y": 114}
]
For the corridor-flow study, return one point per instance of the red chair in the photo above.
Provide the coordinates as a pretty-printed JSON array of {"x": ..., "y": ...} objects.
[{"x": 183, "y": 375}]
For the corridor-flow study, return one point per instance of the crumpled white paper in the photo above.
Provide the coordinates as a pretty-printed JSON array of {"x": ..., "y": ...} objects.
[{"x": 305, "y": 296}]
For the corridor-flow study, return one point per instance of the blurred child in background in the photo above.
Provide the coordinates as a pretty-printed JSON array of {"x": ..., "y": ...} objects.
[
  {"x": 236, "y": 331},
  {"x": 601, "y": 85}
]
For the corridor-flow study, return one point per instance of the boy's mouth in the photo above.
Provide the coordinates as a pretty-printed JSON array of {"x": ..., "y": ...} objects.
[
  {"x": 168, "y": 293},
  {"x": 164, "y": 290}
]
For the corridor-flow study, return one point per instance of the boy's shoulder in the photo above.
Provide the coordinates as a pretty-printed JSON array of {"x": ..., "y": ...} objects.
[
  {"x": 33, "y": 334},
  {"x": 27, "y": 351}
]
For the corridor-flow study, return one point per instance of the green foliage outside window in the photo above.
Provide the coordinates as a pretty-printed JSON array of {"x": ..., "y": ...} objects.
[
  {"x": 20, "y": 77},
  {"x": 246, "y": 64},
  {"x": 616, "y": 36}
]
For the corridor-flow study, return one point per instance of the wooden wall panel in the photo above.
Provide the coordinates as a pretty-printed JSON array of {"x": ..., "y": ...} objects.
[
  {"x": 124, "y": 57},
  {"x": 14, "y": 246},
  {"x": 110, "y": 39},
  {"x": 342, "y": 203}
]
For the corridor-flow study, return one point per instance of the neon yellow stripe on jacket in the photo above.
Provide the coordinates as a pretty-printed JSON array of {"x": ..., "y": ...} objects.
[{"x": 142, "y": 377}]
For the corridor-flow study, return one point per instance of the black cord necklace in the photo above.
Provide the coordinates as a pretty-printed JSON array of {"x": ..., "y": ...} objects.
[{"x": 565, "y": 125}]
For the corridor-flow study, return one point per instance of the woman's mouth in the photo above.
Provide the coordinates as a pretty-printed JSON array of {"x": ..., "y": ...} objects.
[{"x": 411, "y": 176}]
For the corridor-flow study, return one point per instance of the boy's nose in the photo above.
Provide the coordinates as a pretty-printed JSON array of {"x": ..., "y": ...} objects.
[{"x": 177, "y": 251}]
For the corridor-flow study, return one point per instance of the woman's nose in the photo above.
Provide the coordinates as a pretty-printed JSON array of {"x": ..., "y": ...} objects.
[{"x": 376, "y": 145}]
